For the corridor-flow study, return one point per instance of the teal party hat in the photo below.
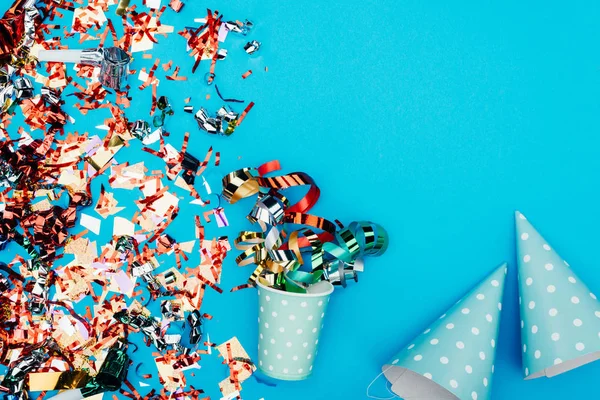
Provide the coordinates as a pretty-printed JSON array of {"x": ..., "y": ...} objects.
[
  {"x": 454, "y": 357},
  {"x": 560, "y": 316}
]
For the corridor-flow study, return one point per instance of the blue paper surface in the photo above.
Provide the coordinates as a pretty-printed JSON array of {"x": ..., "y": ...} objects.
[{"x": 436, "y": 120}]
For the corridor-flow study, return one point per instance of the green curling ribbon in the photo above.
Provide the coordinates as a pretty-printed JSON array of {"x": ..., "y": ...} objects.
[{"x": 358, "y": 239}]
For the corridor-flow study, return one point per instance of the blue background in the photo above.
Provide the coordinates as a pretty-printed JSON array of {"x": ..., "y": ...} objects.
[{"x": 435, "y": 120}]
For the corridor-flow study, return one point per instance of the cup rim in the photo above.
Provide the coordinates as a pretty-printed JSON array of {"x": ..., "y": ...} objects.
[{"x": 292, "y": 294}]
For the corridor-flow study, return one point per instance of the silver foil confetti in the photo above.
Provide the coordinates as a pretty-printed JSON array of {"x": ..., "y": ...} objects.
[
  {"x": 239, "y": 27},
  {"x": 24, "y": 88},
  {"x": 113, "y": 62},
  {"x": 252, "y": 47}
]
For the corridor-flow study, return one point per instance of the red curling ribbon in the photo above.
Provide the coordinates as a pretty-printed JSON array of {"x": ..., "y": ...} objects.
[
  {"x": 290, "y": 180},
  {"x": 269, "y": 167}
]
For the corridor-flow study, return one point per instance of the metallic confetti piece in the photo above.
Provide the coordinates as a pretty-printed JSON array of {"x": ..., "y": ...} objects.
[
  {"x": 50, "y": 95},
  {"x": 122, "y": 7},
  {"x": 227, "y": 100},
  {"x": 145, "y": 271},
  {"x": 9, "y": 177},
  {"x": 148, "y": 326},
  {"x": 209, "y": 78},
  {"x": 113, "y": 62},
  {"x": 203, "y": 43},
  {"x": 153, "y": 3},
  {"x": 164, "y": 105},
  {"x": 19, "y": 25},
  {"x": 221, "y": 54},
  {"x": 252, "y": 47},
  {"x": 190, "y": 165},
  {"x": 195, "y": 322},
  {"x": 171, "y": 309},
  {"x": 225, "y": 118},
  {"x": 245, "y": 112},
  {"x": 240, "y": 27},
  {"x": 206, "y": 123},
  {"x": 112, "y": 372},
  {"x": 7, "y": 92},
  {"x": 24, "y": 88},
  {"x": 176, "y": 5},
  {"x": 240, "y": 366},
  {"x": 140, "y": 129}
]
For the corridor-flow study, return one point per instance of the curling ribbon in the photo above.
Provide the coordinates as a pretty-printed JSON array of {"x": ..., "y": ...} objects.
[{"x": 335, "y": 253}]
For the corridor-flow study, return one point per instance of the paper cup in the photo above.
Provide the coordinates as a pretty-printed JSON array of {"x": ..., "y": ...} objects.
[{"x": 289, "y": 325}]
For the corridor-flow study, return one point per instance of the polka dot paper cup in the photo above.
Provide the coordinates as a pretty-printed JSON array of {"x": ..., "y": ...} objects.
[{"x": 289, "y": 325}]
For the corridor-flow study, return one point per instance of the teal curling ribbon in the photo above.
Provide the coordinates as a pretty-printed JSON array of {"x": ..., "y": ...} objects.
[{"x": 359, "y": 239}]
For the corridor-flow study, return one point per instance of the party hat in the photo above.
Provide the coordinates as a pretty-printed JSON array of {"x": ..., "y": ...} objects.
[
  {"x": 454, "y": 358},
  {"x": 560, "y": 316}
]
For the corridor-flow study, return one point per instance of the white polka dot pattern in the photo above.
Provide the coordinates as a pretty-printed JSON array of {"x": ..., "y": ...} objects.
[
  {"x": 289, "y": 333},
  {"x": 458, "y": 350},
  {"x": 560, "y": 314}
]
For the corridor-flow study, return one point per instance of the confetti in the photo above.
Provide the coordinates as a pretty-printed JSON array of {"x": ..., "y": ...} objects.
[
  {"x": 91, "y": 223},
  {"x": 252, "y": 47},
  {"x": 76, "y": 299},
  {"x": 240, "y": 367}
]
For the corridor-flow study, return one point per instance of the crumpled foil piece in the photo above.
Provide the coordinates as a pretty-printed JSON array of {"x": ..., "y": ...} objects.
[
  {"x": 112, "y": 373},
  {"x": 239, "y": 27},
  {"x": 125, "y": 244},
  {"x": 206, "y": 123},
  {"x": 7, "y": 90},
  {"x": 50, "y": 96},
  {"x": 145, "y": 271},
  {"x": 149, "y": 327},
  {"x": 221, "y": 54},
  {"x": 190, "y": 165},
  {"x": 171, "y": 309},
  {"x": 9, "y": 177},
  {"x": 195, "y": 322},
  {"x": 252, "y": 47},
  {"x": 216, "y": 125},
  {"x": 24, "y": 88},
  {"x": 39, "y": 294},
  {"x": 140, "y": 129}
]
